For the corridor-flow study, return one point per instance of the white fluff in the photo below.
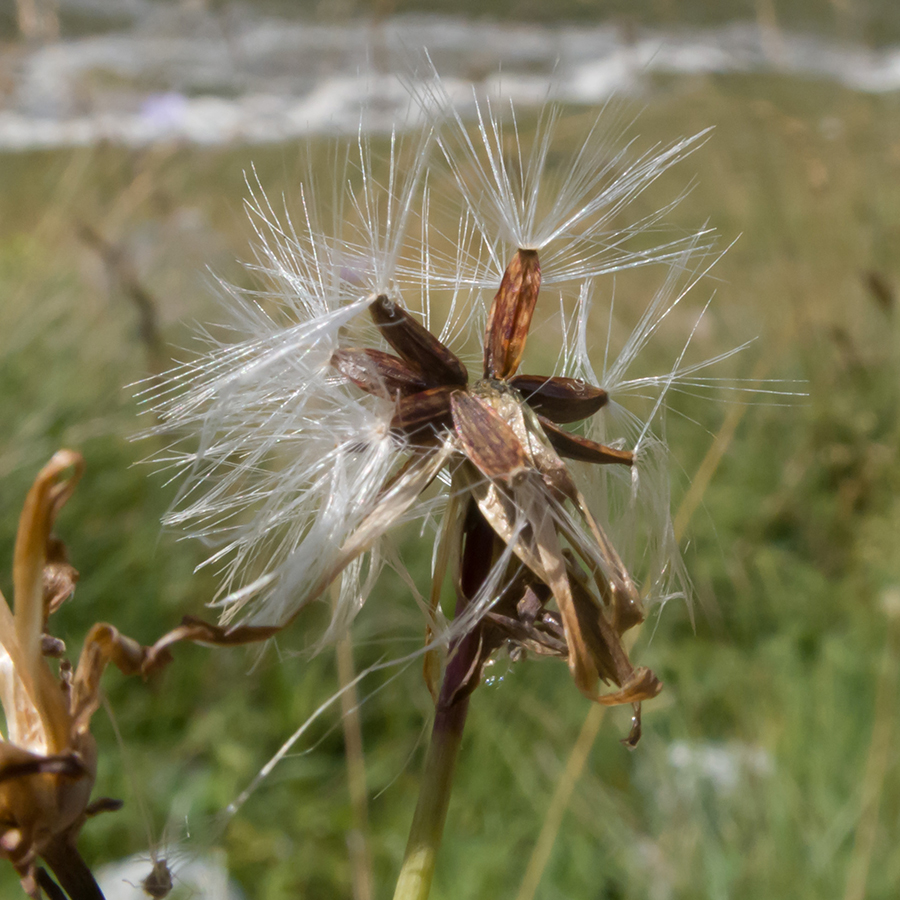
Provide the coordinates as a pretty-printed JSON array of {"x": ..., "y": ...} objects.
[{"x": 281, "y": 459}]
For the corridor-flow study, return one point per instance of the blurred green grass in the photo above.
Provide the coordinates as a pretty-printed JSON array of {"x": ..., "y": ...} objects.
[{"x": 791, "y": 552}]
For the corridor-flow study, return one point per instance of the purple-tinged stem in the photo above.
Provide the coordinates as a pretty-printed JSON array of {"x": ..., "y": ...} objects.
[{"x": 450, "y": 713}]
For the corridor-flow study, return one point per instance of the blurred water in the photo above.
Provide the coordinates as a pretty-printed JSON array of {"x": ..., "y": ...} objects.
[{"x": 186, "y": 73}]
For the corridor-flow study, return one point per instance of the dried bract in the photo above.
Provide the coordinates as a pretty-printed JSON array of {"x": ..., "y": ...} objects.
[{"x": 48, "y": 759}]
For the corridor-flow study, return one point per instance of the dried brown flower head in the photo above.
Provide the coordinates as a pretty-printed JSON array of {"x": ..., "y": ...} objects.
[
  {"x": 307, "y": 435},
  {"x": 48, "y": 759},
  {"x": 511, "y": 488}
]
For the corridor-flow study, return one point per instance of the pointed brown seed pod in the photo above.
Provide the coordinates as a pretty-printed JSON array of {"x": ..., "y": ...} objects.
[
  {"x": 416, "y": 344},
  {"x": 425, "y": 411},
  {"x": 510, "y": 315},
  {"x": 573, "y": 446},
  {"x": 489, "y": 443},
  {"x": 377, "y": 372},
  {"x": 562, "y": 400}
]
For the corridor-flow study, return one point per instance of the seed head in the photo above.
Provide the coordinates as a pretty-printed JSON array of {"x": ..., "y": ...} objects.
[{"x": 346, "y": 400}]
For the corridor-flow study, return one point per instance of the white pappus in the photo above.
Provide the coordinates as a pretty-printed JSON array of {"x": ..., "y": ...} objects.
[{"x": 285, "y": 463}]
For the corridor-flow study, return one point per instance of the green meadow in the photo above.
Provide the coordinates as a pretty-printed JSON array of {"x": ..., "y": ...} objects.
[{"x": 768, "y": 765}]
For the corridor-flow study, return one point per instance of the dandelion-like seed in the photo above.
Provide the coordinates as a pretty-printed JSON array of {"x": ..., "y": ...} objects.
[{"x": 341, "y": 410}]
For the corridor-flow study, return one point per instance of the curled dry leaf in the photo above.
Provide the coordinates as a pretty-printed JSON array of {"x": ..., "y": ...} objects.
[{"x": 48, "y": 758}]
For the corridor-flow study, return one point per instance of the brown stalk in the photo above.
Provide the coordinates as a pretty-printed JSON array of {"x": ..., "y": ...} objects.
[
  {"x": 200, "y": 632},
  {"x": 49, "y": 886},
  {"x": 358, "y": 833},
  {"x": 451, "y": 711},
  {"x": 123, "y": 272},
  {"x": 71, "y": 872}
]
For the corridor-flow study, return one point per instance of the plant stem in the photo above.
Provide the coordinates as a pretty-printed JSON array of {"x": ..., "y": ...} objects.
[
  {"x": 49, "y": 886},
  {"x": 357, "y": 836},
  {"x": 427, "y": 827},
  {"x": 452, "y": 707},
  {"x": 71, "y": 871},
  {"x": 877, "y": 764}
]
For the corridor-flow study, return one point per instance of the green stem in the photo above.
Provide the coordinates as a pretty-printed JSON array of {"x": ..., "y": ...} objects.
[
  {"x": 427, "y": 828},
  {"x": 451, "y": 709}
]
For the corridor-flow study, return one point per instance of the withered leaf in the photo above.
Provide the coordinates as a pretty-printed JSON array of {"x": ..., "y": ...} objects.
[
  {"x": 573, "y": 446},
  {"x": 642, "y": 685},
  {"x": 562, "y": 400},
  {"x": 487, "y": 440},
  {"x": 529, "y": 637},
  {"x": 549, "y": 551},
  {"x": 59, "y": 576},
  {"x": 510, "y": 315},
  {"x": 377, "y": 372},
  {"x": 21, "y": 634},
  {"x": 606, "y": 650},
  {"x": 616, "y": 587},
  {"x": 104, "y": 644},
  {"x": 607, "y": 653},
  {"x": 416, "y": 344},
  {"x": 200, "y": 632}
]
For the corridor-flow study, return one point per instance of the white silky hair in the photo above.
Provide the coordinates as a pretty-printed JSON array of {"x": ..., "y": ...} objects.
[
  {"x": 526, "y": 198},
  {"x": 281, "y": 459}
]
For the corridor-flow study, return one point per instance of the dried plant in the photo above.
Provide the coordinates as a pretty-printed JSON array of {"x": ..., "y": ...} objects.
[
  {"x": 48, "y": 760},
  {"x": 337, "y": 410}
]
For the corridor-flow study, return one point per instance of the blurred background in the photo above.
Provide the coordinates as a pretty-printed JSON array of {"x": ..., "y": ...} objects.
[{"x": 768, "y": 766}]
